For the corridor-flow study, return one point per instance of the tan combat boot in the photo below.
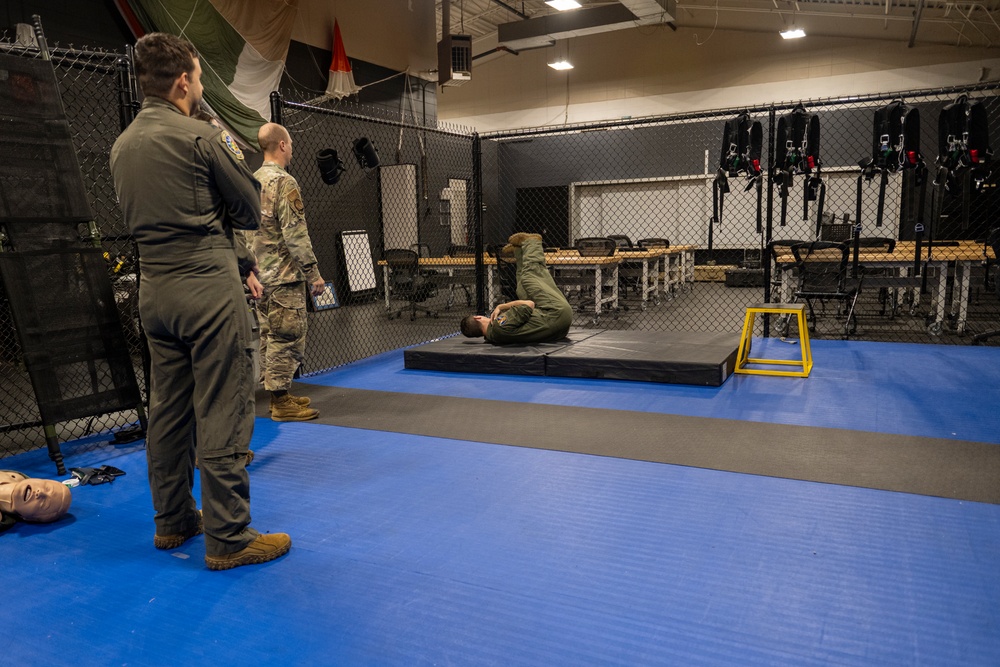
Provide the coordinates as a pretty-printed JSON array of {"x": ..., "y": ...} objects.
[
  {"x": 301, "y": 400},
  {"x": 286, "y": 409},
  {"x": 176, "y": 540},
  {"x": 263, "y": 549}
]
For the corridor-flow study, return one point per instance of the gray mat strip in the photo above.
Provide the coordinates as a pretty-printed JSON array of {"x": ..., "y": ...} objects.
[{"x": 929, "y": 466}]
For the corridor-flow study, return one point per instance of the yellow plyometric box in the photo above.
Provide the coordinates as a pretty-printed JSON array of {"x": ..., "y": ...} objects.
[
  {"x": 711, "y": 273},
  {"x": 804, "y": 364}
]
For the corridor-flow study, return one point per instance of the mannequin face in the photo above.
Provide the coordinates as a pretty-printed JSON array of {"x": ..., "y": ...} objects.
[
  {"x": 11, "y": 476},
  {"x": 40, "y": 500}
]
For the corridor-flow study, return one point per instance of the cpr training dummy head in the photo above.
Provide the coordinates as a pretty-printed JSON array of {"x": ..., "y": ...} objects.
[{"x": 31, "y": 499}]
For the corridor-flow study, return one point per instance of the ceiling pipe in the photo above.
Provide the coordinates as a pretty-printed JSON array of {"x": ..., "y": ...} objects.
[
  {"x": 510, "y": 9},
  {"x": 916, "y": 23},
  {"x": 494, "y": 50}
]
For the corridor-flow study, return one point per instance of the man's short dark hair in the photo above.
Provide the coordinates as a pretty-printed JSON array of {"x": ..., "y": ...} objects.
[
  {"x": 159, "y": 59},
  {"x": 470, "y": 327}
]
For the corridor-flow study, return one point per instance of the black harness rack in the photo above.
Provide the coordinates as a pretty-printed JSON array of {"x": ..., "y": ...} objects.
[
  {"x": 964, "y": 159},
  {"x": 797, "y": 152},
  {"x": 742, "y": 143},
  {"x": 895, "y": 149}
]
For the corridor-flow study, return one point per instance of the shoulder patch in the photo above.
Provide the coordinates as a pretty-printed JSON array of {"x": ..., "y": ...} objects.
[
  {"x": 230, "y": 144},
  {"x": 295, "y": 201}
]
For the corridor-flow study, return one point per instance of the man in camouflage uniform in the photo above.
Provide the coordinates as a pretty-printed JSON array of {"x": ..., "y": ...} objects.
[
  {"x": 183, "y": 187},
  {"x": 287, "y": 263}
]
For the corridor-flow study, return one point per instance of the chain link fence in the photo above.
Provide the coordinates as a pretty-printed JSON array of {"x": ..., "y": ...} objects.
[
  {"x": 89, "y": 83},
  {"x": 405, "y": 197},
  {"x": 645, "y": 179},
  {"x": 409, "y": 233}
]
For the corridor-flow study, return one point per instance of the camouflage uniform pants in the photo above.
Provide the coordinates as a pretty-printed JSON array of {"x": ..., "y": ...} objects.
[{"x": 283, "y": 324}]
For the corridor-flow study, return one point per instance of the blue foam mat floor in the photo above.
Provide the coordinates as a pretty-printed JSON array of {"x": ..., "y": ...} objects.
[
  {"x": 411, "y": 550},
  {"x": 925, "y": 390}
]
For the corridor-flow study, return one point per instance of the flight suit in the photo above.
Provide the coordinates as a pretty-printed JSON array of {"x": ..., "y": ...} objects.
[
  {"x": 552, "y": 315},
  {"x": 183, "y": 186}
]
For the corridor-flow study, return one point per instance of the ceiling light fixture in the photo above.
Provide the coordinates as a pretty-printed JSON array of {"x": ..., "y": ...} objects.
[
  {"x": 563, "y": 5},
  {"x": 793, "y": 33},
  {"x": 561, "y": 64}
]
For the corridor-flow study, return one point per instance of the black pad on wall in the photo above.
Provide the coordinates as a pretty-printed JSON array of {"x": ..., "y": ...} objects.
[
  {"x": 330, "y": 166},
  {"x": 364, "y": 151}
]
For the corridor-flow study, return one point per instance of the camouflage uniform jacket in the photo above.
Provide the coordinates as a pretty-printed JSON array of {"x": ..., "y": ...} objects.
[{"x": 281, "y": 243}]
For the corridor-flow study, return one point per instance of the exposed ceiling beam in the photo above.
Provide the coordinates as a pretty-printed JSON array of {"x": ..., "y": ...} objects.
[
  {"x": 962, "y": 23},
  {"x": 545, "y": 30}
]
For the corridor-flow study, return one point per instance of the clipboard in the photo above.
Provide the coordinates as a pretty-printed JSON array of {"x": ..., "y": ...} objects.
[{"x": 327, "y": 298}]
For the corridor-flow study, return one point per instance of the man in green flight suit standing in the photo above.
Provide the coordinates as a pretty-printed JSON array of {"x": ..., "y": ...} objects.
[
  {"x": 287, "y": 264},
  {"x": 183, "y": 187},
  {"x": 541, "y": 315}
]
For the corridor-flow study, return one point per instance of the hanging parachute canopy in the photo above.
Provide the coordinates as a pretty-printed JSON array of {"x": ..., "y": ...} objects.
[
  {"x": 341, "y": 82},
  {"x": 242, "y": 45},
  {"x": 797, "y": 152}
]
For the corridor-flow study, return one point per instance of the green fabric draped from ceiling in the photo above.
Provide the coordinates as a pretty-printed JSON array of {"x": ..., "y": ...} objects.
[{"x": 242, "y": 45}]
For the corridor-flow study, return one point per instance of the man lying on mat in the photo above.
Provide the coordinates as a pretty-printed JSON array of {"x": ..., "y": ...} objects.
[{"x": 540, "y": 315}]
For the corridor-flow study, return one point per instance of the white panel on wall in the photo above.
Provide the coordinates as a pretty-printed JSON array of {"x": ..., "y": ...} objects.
[
  {"x": 588, "y": 214},
  {"x": 691, "y": 212},
  {"x": 680, "y": 208},
  {"x": 458, "y": 196},
  {"x": 737, "y": 226},
  {"x": 674, "y": 208},
  {"x": 841, "y": 199},
  {"x": 398, "y": 192},
  {"x": 358, "y": 262},
  {"x": 638, "y": 210}
]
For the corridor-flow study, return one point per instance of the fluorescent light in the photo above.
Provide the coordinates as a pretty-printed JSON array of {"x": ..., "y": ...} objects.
[
  {"x": 793, "y": 33},
  {"x": 561, "y": 64},
  {"x": 563, "y": 5}
]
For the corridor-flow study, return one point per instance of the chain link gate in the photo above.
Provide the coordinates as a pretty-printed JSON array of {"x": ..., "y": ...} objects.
[{"x": 93, "y": 98}]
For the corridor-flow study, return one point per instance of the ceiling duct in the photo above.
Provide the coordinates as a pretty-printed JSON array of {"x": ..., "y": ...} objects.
[
  {"x": 545, "y": 30},
  {"x": 454, "y": 53}
]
